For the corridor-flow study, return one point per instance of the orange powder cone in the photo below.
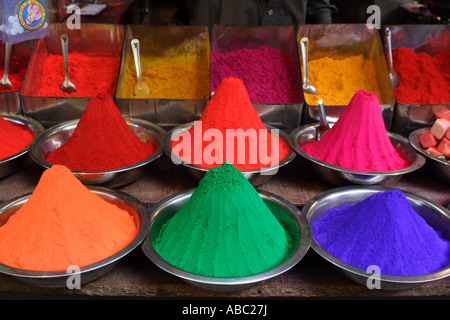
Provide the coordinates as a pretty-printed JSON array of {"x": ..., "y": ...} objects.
[{"x": 63, "y": 224}]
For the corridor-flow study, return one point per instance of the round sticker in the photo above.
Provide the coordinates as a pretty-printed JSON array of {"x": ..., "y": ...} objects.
[{"x": 32, "y": 14}]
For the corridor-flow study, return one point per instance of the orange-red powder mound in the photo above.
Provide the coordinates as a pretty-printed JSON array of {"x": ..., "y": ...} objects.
[
  {"x": 63, "y": 224},
  {"x": 230, "y": 130}
]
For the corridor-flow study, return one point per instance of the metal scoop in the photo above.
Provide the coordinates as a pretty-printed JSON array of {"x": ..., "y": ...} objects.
[
  {"x": 66, "y": 86},
  {"x": 323, "y": 123},
  {"x": 307, "y": 87},
  {"x": 5, "y": 80},
  {"x": 392, "y": 74},
  {"x": 141, "y": 89}
]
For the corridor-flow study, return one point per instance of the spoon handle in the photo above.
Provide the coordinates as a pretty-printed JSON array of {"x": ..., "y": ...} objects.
[
  {"x": 65, "y": 51},
  {"x": 5, "y": 80},
  {"x": 304, "y": 46},
  {"x": 137, "y": 57},
  {"x": 389, "y": 45}
]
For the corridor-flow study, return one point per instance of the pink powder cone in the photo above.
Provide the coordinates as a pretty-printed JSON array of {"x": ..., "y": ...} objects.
[{"x": 359, "y": 140}]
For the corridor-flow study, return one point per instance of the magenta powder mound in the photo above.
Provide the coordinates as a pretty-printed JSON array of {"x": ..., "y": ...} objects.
[
  {"x": 267, "y": 73},
  {"x": 359, "y": 139}
]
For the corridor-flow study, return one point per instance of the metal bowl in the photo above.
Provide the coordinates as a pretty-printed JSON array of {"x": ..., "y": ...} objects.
[
  {"x": 12, "y": 163},
  {"x": 435, "y": 215},
  {"x": 440, "y": 168},
  {"x": 288, "y": 215},
  {"x": 59, "y": 279},
  {"x": 339, "y": 176},
  {"x": 56, "y": 136},
  {"x": 255, "y": 177}
]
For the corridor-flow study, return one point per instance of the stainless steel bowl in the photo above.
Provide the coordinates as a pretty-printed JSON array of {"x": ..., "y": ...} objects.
[
  {"x": 440, "y": 168},
  {"x": 59, "y": 279},
  {"x": 288, "y": 215},
  {"x": 436, "y": 215},
  {"x": 255, "y": 177},
  {"x": 341, "y": 176},
  {"x": 56, "y": 136},
  {"x": 12, "y": 163}
]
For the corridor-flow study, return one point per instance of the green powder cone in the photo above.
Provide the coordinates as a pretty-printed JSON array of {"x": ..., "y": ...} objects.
[{"x": 224, "y": 230}]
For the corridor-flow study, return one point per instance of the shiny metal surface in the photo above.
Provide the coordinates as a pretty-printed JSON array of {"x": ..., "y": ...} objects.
[
  {"x": 288, "y": 215},
  {"x": 348, "y": 40},
  {"x": 440, "y": 168},
  {"x": 12, "y": 163},
  {"x": 340, "y": 176},
  {"x": 431, "y": 39},
  {"x": 436, "y": 215},
  {"x": 256, "y": 178},
  {"x": 56, "y": 136},
  {"x": 58, "y": 279}
]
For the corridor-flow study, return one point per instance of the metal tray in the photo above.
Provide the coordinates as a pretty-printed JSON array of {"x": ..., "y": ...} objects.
[
  {"x": 431, "y": 39},
  {"x": 348, "y": 40},
  {"x": 435, "y": 215},
  {"x": 231, "y": 38},
  {"x": 154, "y": 41},
  {"x": 50, "y": 111}
]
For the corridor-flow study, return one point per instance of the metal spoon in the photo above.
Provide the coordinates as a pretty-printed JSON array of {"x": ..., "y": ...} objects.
[
  {"x": 323, "y": 123},
  {"x": 66, "y": 86},
  {"x": 307, "y": 87},
  {"x": 141, "y": 89},
  {"x": 392, "y": 74},
  {"x": 5, "y": 80}
]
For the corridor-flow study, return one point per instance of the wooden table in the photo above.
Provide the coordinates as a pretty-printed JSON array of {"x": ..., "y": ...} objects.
[{"x": 137, "y": 277}]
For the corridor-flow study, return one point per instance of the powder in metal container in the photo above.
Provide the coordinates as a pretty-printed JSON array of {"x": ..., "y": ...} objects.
[
  {"x": 230, "y": 110},
  {"x": 13, "y": 138},
  {"x": 63, "y": 224},
  {"x": 266, "y": 72},
  {"x": 102, "y": 140},
  {"x": 359, "y": 140},
  {"x": 224, "y": 230},
  {"x": 383, "y": 230},
  {"x": 423, "y": 79}
]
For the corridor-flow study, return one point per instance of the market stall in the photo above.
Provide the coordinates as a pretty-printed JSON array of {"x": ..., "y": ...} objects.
[{"x": 113, "y": 180}]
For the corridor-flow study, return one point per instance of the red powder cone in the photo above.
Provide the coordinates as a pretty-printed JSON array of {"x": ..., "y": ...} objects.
[
  {"x": 102, "y": 140},
  {"x": 229, "y": 110}
]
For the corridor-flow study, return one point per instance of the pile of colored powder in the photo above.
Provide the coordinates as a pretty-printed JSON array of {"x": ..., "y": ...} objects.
[
  {"x": 171, "y": 81},
  {"x": 102, "y": 140},
  {"x": 90, "y": 73},
  {"x": 181, "y": 72},
  {"x": 224, "y": 230},
  {"x": 359, "y": 140},
  {"x": 423, "y": 79},
  {"x": 230, "y": 130},
  {"x": 63, "y": 224},
  {"x": 13, "y": 138},
  {"x": 16, "y": 72},
  {"x": 336, "y": 80},
  {"x": 383, "y": 230},
  {"x": 267, "y": 73}
]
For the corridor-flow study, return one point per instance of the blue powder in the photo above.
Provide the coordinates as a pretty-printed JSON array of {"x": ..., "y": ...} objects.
[{"x": 383, "y": 230}]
